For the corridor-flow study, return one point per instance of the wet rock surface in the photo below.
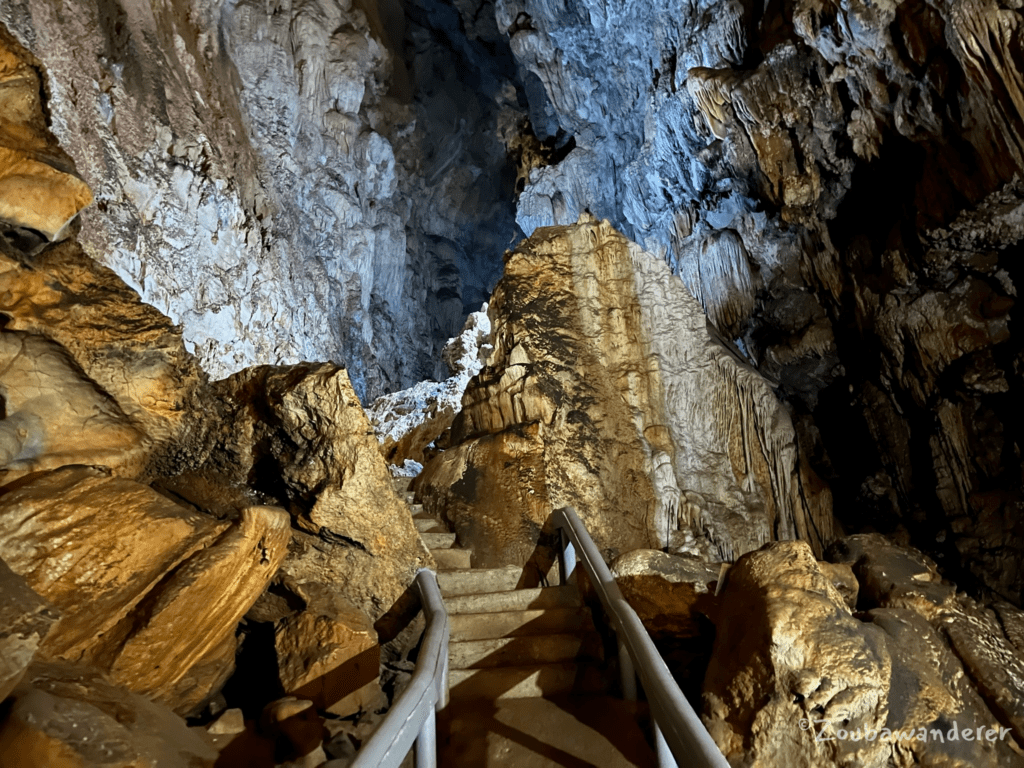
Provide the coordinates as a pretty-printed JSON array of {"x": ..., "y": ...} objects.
[{"x": 69, "y": 715}]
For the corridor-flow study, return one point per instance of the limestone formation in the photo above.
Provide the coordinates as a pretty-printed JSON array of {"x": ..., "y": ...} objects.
[
  {"x": 71, "y": 716},
  {"x": 147, "y": 590},
  {"x": 25, "y": 620},
  {"x": 328, "y": 653},
  {"x": 194, "y": 612},
  {"x": 838, "y": 184},
  {"x": 606, "y": 392},
  {"x": 410, "y": 423},
  {"x": 91, "y": 374},
  {"x": 280, "y": 181},
  {"x": 39, "y": 193},
  {"x": 94, "y": 546},
  {"x": 795, "y": 679},
  {"x": 299, "y": 436},
  {"x": 668, "y": 592}
]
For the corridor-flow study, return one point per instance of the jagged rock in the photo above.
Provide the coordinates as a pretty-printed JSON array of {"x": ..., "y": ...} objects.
[
  {"x": 56, "y": 416},
  {"x": 25, "y": 620},
  {"x": 147, "y": 590},
  {"x": 192, "y": 615},
  {"x": 408, "y": 423},
  {"x": 39, "y": 195},
  {"x": 838, "y": 183},
  {"x": 70, "y": 715},
  {"x": 898, "y": 577},
  {"x": 667, "y": 591},
  {"x": 328, "y": 653},
  {"x": 606, "y": 392},
  {"x": 796, "y": 680},
  {"x": 93, "y": 375},
  {"x": 299, "y": 435},
  {"x": 94, "y": 546},
  {"x": 277, "y": 181}
]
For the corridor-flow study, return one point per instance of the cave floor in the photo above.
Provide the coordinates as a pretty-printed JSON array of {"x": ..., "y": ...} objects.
[{"x": 569, "y": 731}]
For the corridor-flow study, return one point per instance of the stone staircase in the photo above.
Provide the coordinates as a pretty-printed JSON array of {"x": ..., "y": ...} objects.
[{"x": 527, "y": 668}]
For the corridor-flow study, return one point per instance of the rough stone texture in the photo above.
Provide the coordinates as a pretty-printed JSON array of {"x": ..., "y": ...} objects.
[
  {"x": 667, "y": 592},
  {"x": 94, "y": 546},
  {"x": 605, "y": 391},
  {"x": 56, "y": 416},
  {"x": 147, "y": 590},
  {"x": 191, "y": 617},
  {"x": 328, "y": 652},
  {"x": 39, "y": 192},
  {"x": 70, "y": 716},
  {"x": 313, "y": 180},
  {"x": 411, "y": 424},
  {"x": 897, "y": 577},
  {"x": 835, "y": 181},
  {"x": 796, "y": 680},
  {"x": 25, "y": 620},
  {"x": 299, "y": 436},
  {"x": 91, "y": 375}
]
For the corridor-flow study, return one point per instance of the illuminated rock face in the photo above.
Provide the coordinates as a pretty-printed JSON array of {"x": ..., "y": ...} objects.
[
  {"x": 920, "y": 674},
  {"x": 275, "y": 180},
  {"x": 835, "y": 183},
  {"x": 147, "y": 590},
  {"x": 606, "y": 391}
]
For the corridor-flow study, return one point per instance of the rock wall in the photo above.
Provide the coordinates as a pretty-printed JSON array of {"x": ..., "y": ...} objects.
[
  {"x": 606, "y": 391},
  {"x": 918, "y": 675},
  {"x": 280, "y": 180},
  {"x": 835, "y": 182}
]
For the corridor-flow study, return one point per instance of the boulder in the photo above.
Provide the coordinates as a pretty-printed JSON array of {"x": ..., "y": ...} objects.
[
  {"x": 668, "y": 592},
  {"x": 298, "y": 435},
  {"x": 795, "y": 679},
  {"x": 983, "y": 638},
  {"x": 103, "y": 344},
  {"x": 607, "y": 392},
  {"x": 192, "y": 615},
  {"x": 25, "y": 620},
  {"x": 148, "y": 590},
  {"x": 70, "y": 716},
  {"x": 56, "y": 416},
  {"x": 328, "y": 653},
  {"x": 39, "y": 193},
  {"x": 94, "y": 546}
]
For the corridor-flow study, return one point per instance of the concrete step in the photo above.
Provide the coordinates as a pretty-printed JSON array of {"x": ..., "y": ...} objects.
[
  {"x": 438, "y": 540},
  {"x": 543, "y": 733},
  {"x": 418, "y": 513},
  {"x": 429, "y": 525},
  {"x": 401, "y": 484},
  {"x": 485, "y": 626},
  {"x": 408, "y": 497},
  {"x": 525, "y": 682},
  {"x": 516, "y": 600},
  {"x": 477, "y": 580},
  {"x": 523, "y": 651},
  {"x": 452, "y": 559}
]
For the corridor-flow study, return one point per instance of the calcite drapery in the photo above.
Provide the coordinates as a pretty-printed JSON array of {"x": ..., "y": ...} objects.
[{"x": 606, "y": 391}]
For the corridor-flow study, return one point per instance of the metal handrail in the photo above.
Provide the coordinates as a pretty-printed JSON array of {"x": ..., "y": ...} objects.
[
  {"x": 413, "y": 716},
  {"x": 680, "y": 736}
]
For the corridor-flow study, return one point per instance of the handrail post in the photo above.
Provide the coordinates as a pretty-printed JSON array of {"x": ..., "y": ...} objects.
[
  {"x": 665, "y": 756},
  {"x": 426, "y": 742},
  {"x": 567, "y": 555},
  {"x": 680, "y": 734},
  {"x": 627, "y": 673}
]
